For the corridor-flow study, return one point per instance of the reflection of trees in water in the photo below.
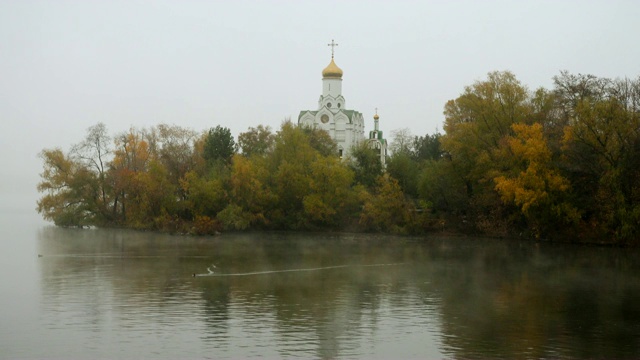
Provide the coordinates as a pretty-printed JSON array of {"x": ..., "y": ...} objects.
[
  {"x": 481, "y": 298},
  {"x": 217, "y": 298},
  {"x": 118, "y": 274},
  {"x": 518, "y": 300},
  {"x": 327, "y": 306}
]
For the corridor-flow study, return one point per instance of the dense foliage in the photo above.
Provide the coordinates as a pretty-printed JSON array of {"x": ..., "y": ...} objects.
[{"x": 559, "y": 164}]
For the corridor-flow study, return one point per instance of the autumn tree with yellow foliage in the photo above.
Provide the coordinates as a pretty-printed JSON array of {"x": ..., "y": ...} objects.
[{"x": 534, "y": 186}]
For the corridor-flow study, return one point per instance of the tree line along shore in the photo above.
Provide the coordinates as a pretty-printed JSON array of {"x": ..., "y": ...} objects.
[{"x": 560, "y": 164}]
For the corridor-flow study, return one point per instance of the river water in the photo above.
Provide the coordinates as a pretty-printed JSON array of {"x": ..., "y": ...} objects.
[{"x": 124, "y": 294}]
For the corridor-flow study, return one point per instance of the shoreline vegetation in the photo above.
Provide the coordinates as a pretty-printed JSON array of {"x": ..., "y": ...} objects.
[{"x": 560, "y": 164}]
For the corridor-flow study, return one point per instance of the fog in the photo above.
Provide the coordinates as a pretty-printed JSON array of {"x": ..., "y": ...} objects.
[{"x": 66, "y": 65}]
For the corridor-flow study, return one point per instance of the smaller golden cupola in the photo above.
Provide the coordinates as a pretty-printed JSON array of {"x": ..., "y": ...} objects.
[{"x": 332, "y": 71}]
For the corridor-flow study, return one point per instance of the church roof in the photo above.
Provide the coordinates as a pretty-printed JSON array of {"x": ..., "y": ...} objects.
[
  {"x": 348, "y": 113},
  {"x": 332, "y": 71},
  {"x": 307, "y": 111}
]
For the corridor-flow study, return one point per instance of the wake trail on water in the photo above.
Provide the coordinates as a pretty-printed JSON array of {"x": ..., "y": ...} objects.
[
  {"x": 115, "y": 256},
  {"x": 213, "y": 274}
]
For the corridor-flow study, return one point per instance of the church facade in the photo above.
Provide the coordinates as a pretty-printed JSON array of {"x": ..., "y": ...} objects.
[{"x": 344, "y": 126}]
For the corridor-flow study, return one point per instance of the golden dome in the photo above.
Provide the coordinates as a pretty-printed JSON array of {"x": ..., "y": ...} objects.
[
  {"x": 376, "y": 117},
  {"x": 332, "y": 71}
]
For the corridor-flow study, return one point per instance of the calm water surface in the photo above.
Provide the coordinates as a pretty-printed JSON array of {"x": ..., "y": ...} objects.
[{"x": 126, "y": 294}]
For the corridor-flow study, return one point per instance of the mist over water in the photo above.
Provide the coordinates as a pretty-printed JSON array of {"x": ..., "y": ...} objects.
[{"x": 118, "y": 293}]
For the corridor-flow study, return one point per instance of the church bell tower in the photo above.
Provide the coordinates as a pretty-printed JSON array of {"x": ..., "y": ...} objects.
[{"x": 332, "y": 79}]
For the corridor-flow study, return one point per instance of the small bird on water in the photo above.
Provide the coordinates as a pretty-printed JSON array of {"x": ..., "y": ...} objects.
[{"x": 209, "y": 268}]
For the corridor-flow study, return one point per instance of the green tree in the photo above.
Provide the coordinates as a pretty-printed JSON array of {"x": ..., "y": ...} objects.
[
  {"x": 402, "y": 167},
  {"x": 401, "y": 164},
  {"x": 205, "y": 196},
  {"x": 321, "y": 141},
  {"x": 427, "y": 147},
  {"x": 289, "y": 166},
  {"x": 219, "y": 145},
  {"x": 441, "y": 188},
  {"x": 331, "y": 199},
  {"x": 366, "y": 164}
]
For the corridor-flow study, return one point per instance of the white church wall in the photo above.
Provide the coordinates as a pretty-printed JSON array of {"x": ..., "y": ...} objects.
[{"x": 332, "y": 87}]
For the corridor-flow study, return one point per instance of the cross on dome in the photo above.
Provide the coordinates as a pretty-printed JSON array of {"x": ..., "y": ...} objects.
[
  {"x": 333, "y": 45},
  {"x": 332, "y": 71}
]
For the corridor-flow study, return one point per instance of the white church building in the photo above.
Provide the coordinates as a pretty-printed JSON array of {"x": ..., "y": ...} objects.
[{"x": 344, "y": 126}]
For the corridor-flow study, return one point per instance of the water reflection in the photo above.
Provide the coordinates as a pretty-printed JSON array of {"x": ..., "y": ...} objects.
[{"x": 446, "y": 297}]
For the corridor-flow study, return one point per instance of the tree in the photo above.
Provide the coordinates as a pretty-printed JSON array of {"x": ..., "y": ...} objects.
[
  {"x": 330, "y": 201},
  {"x": 476, "y": 124},
  {"x": 95, "y": 148},
  {"x": 441, "y": 188},
  {"x": 173, "y": 146},
  {"x": 571, "y": 89},
  {"x": 402, "y": 141},
  {"x": 71, "y": 190},
  {"x": 601, "y": 145},
  {"x": 204, "y": 196},
  {"x": 536, "y": 188},
  {"x": 94, "y": 152},
  {"x": 151, "y": 196},
  {"x": 365, "y": 162},
  {"x": 321, "y": 141},
  {"x": 256, "y": 141},
  {"x": 386, "y": 209},
  {"x": 219, "y": 145},
  {"x": 250, "y": 197},
  {"x": 289, "y": 166},
  {"x": 402, "y": 167},
  {"x": 427, "y": 147},
  {"x": 131, "y": 156}
]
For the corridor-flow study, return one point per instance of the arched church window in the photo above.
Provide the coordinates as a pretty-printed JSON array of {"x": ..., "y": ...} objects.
[
  {"x": 329, "y": 105},
  {"x": 339, "y": 105}
]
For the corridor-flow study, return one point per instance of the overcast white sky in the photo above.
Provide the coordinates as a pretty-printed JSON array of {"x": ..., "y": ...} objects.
[{"x": 67, "y": 65}]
